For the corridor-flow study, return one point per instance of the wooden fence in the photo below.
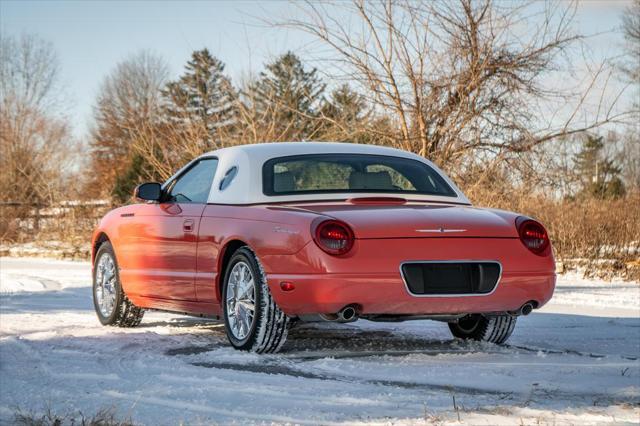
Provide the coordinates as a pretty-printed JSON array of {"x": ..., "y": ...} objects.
[{"x": 64, "y": 221}]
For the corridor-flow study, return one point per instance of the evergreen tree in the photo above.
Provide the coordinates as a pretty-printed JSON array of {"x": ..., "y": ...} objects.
[
  {"x": 203, "y": 96},
  {"x": 126, "y": 181},
  {"x": 346, "y": 105},
  {"x": 346, "y": 117},
  {"x": 286, "y": 97},
  {"x": 597, "y": 173}
]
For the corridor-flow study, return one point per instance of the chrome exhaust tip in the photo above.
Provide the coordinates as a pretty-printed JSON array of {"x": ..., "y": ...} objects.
[
  {"x": 524, "y": 310},
  {"x": 347, "y": 314}
]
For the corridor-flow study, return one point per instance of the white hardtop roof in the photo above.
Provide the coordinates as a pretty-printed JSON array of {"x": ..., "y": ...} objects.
[
  {"x": 246, "y": 188},
  {"x": 270, "y": 150}
]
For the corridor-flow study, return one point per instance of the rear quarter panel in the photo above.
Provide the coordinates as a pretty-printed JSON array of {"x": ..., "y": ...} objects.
[{"x": 268, "y": 230}]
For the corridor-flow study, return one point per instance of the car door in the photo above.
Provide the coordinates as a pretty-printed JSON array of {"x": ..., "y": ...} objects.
[{"x": 162, "y": 244}]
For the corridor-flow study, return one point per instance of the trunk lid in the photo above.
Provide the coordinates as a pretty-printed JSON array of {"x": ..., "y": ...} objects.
[{"x": 393, "y": 220}]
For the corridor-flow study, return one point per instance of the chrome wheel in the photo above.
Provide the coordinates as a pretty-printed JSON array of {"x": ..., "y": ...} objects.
[
  {"x": 105, "y": 286},
  {"x": 240, "y": 301}
]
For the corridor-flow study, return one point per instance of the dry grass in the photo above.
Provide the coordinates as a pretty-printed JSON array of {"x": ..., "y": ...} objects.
[
  {"x": 601, "y": 237},
  {"x": 103, "y": 417}
]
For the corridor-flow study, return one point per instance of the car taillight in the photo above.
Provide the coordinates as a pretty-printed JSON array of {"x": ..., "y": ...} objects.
[
  {"x": 333, "y": 237},
  {"x": 533, "y": 235}
]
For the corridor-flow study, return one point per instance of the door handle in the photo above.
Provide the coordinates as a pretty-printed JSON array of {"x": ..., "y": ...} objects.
[{"x": 187, "y": 226}]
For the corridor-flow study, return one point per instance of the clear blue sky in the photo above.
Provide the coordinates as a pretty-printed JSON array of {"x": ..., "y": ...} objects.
[{"x": 91, "y": 37}]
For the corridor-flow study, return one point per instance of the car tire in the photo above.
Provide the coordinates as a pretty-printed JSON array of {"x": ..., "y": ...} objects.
[
  {"x": 494, "y": 329},
  {"x": 263, "y": 330},
  {"x": 111, "y": 304}
]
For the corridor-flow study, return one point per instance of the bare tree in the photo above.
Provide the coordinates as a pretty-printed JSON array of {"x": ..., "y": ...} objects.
[
  {"x": 630, "y": 152},
  {"x": 34, "y": 136},
  {"x": 129, "y": 99},
  {"x": 463, "y": 77},
  {"x": 29, "y": 71},
  {"x": 631, "y": 29},
  {"x": 167, "y": 146}
]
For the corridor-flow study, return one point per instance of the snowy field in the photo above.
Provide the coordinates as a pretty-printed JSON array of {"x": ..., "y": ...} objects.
[{"x": 576, "y": 361}]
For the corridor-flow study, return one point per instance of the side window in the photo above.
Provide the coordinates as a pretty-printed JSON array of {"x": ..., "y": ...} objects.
[
  {"x": 195, "y": 184},
  {"x": 228, "y": 178}
]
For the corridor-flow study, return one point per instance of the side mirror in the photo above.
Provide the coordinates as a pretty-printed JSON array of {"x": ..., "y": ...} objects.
[{"x": 151, "y": 191}]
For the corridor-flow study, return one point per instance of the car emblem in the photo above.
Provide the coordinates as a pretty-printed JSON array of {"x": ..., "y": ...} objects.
[
  {"x": 284, "y": 230},
  {"x": 440, "y": 230}
]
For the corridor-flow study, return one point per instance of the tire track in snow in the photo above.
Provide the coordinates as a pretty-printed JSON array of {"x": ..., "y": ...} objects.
[
  {"x": 528, "y": 396},
  {"x": 571, "y": 352},
  {"x": 282, "y": 369},
  {"x": 346, "y": 354},
  {"x": 27, "y": 282},
  {"x": 284, "y": 364}
]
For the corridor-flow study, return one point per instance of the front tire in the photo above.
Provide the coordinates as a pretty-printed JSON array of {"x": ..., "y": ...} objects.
[
  {"x": 111, "y": 304},
  {"x": 253, "y": 321},
  {"x": 495, "y": 329}
]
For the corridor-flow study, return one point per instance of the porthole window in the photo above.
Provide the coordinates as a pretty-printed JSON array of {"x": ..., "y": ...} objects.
[{"x": 228, "y": 178}]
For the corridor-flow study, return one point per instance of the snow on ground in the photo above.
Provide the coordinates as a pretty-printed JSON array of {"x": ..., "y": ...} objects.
[{"x": 576, "y": 361}]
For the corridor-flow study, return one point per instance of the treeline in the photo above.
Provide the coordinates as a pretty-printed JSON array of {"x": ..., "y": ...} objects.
[
  {"x": 147, "y": 127},
  {"x": 453, "y": 81},
  {"x": 456, "y": 82}
]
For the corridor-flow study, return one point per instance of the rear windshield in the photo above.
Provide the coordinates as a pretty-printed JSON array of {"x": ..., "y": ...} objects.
[{"x": 340, "y": 173}]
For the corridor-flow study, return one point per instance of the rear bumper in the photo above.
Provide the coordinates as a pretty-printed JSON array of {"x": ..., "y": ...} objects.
[
  {"x": 387, "y": 294},
  {"x": 369, "y": 276}
]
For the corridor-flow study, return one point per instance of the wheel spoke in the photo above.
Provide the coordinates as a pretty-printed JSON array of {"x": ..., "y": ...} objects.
[
  {"x": 231, "y": 294},
  {"x": 238, "y": 326},
  {"x": 248, "y": 305},
  {"x": 245, "y": 324},
  {"x": 247, "y": 288}
]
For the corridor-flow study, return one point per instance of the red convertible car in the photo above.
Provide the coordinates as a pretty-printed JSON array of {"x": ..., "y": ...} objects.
[{"x": 265, "y": 235}]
